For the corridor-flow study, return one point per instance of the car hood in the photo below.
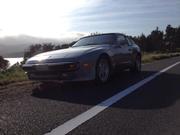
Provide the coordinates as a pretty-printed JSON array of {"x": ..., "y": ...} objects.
[{"x": 69, "y": 53}]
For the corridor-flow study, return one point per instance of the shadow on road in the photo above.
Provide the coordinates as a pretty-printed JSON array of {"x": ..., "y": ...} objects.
[{"x": 160, "y": 93}]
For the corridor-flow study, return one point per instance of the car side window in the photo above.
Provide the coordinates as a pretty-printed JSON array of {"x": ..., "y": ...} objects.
[
  {"x": 132, "y": 42},
  {"x": 129, "y": 41},
  {"x": 121, "y": 40}
]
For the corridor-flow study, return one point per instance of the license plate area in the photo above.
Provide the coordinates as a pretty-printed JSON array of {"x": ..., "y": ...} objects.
[{"x": 42, "y": 68}]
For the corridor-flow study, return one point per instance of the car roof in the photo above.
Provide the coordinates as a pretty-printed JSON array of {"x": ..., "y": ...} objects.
[{"x": 104, "y": 34}]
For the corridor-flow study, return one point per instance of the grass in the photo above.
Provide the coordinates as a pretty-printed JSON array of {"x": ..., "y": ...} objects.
[
  {"x": 16, "y": 73},
  {"x": 150, "y": 57}
]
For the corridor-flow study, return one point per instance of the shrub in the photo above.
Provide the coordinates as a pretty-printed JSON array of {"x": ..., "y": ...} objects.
[{"x": 3, "y": 63}]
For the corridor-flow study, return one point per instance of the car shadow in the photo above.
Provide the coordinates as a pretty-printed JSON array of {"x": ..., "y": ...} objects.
[
  {"x": 154, "y": 95},
  {"x": 161, "y": 93}
]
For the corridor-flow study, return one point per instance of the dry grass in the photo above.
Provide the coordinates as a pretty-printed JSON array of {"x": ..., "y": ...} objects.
[
  {"x": 150, "y": 57},
  {"x": 14, "y": 74}
]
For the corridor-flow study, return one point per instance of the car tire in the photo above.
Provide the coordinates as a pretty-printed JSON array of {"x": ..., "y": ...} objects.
[
  {"x": 136, "y": 68},
  {"x": 102, "y": 70}
]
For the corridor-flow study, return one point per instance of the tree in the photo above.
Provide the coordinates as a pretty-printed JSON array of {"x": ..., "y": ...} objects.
[
  {"x": 170, "y": 38},
  {"x": 3, "y": 63},
  {"x": 95, "y": 33},
  {"x": 39, "y": 48},
  {"x": 177, "y": 38},
  {"x": 33, "y": 50},
  {"x": 47, "y": 47},
  {"x": 155, "y": 40},
  {"x": 141, "y": 41}
]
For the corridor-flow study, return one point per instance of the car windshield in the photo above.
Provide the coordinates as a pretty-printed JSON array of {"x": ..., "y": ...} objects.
[{"x": 95, "y": 40}]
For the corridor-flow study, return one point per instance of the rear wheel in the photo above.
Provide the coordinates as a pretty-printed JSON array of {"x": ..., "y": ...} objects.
[
  {"x": 137, "y": 65},
  {"x": 102, "y": 70}
]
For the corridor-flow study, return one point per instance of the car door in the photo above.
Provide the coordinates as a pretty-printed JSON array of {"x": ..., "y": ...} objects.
[
  {"x": 121, "y": 49},
  {"x": 130, "y": 50}
]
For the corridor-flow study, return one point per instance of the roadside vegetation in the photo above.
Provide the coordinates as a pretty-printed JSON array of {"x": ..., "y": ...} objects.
[
  {"x": 11, "y": 75},
  {"x": 167, "y": 41},
  {"x": 160, "y": 41},
  {"x": 150, "y": 57},
  {"x": 3, "y": 64},
  {"x": 155, "y": 46}
]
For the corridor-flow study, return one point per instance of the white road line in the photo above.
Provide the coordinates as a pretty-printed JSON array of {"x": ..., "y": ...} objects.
[{"x": 80, "y": 119}]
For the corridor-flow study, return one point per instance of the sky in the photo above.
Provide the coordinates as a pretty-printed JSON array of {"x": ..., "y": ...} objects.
[{"x": 70, "y": 18}]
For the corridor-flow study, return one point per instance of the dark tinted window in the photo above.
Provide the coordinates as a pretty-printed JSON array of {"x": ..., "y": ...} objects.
[
  {"x": 132, "y": 41},
  {"x": 121, "y": 40},
  {"x": 96, "y": 40},
  {"x": 129, "y": 41}
]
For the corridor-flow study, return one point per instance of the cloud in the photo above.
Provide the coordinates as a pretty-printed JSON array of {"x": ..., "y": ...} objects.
[
  {"x": 41, "y": 18},
  {"x": 54, "y": 19},
  {"x": 118, "y": 15}
]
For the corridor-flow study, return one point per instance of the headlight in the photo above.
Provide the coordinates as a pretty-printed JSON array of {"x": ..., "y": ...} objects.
[{"x": 72, "y": 66}]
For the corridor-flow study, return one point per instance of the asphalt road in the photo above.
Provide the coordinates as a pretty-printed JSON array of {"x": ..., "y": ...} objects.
[{"x": 154, "y": 108}]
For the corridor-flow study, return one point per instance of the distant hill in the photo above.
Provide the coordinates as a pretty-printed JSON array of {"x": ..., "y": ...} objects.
[
  {"x": 14, "y": 46},
  {"x": 13, "y": 55}
]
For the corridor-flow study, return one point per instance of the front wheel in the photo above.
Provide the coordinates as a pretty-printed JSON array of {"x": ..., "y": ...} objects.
[
  {"x": 136, "y": 65},
  {"x": 102, "y": 70}
]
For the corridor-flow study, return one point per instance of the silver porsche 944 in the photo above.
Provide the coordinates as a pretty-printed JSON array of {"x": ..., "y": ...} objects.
[{"x": 93, "y": 57}]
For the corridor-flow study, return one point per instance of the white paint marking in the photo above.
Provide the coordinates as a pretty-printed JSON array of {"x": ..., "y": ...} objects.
[{"x": 80, "y": 119}]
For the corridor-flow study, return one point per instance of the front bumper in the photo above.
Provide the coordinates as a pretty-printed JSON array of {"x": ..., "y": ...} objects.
[{"x": 58, "y": 71}]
